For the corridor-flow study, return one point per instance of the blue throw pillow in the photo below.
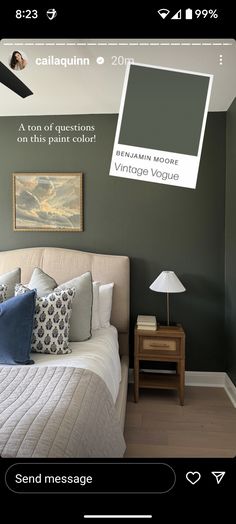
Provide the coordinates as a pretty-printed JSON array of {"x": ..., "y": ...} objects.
[{"x": 16, "y": 324}]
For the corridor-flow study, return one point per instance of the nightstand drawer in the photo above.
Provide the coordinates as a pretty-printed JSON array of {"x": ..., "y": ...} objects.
[
  {"x": 160, "y": 343},
  {"x": 159, "y": 347}
]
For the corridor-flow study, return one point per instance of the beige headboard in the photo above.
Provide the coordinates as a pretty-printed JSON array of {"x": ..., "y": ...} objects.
[{"x": 64, "y": 264}]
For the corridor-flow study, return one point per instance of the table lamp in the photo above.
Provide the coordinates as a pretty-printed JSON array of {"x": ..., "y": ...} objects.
[{"x": 167, "y": 282}]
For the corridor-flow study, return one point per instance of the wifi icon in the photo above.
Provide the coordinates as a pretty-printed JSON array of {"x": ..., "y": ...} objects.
[{"x": 163, "y": 13}]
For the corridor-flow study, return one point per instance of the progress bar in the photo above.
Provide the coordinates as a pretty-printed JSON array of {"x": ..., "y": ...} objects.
[{"x": 118, "y": 516}]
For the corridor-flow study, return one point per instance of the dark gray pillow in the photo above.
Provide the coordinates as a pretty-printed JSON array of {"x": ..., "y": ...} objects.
[
  {"x": 42, "y": 282},
  {"x": 81, "y": 318},
  {"x": 10, "y": 279}
]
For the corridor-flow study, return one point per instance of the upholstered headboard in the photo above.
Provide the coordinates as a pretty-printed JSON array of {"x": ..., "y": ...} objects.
[{"x": 64, "y": 264}]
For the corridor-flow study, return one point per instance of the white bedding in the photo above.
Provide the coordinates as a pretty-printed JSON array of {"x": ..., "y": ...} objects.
[{"x": 100, "y": 354}]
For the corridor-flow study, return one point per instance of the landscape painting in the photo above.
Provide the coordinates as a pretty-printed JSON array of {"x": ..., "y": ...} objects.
[{"x": 48, "y": 201}]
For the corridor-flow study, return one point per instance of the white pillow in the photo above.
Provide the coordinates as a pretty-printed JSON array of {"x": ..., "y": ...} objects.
[
  {"x": 105, "y": 303},
  {"x": 95, "y": 309}
]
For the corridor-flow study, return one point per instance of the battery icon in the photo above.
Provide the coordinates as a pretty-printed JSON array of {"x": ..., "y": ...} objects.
[{"x": 189, "y": 14}]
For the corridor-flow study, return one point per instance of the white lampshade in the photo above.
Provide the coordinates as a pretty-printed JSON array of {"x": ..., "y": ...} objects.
[{"x": 167, "y": 282}]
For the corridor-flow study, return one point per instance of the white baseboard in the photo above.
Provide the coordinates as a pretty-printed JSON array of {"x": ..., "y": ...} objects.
[
  {"x": 230, "y": 389},
  {"x": 206, "y": 379}
]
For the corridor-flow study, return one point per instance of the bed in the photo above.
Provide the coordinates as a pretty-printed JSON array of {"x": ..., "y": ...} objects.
[{"x": 69, "y": 405}]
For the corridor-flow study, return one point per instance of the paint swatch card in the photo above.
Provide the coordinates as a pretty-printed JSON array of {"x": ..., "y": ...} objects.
[{"x": 161, "y": 125}]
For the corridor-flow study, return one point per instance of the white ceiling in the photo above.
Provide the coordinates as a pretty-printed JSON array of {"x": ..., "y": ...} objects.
[{"x": 97, "y": 88}]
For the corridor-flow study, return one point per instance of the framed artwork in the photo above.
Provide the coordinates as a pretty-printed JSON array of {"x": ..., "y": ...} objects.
[{"x": 48, "y": 201}]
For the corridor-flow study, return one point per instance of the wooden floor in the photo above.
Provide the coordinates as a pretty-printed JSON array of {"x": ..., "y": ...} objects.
[{"x": 157, "y": 426}]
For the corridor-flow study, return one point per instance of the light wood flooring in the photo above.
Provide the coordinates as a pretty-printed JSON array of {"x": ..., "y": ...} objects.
[{"x": 157, "y": 426}]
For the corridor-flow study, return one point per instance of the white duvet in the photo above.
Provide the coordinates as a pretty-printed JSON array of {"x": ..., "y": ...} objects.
[{"x": 99, "y": 354}]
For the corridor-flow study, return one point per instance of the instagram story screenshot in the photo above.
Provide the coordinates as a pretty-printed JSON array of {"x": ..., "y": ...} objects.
[{"x": 117, "y": 257}]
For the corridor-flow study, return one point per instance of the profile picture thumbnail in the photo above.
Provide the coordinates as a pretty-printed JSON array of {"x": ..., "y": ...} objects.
[{"x": 18, "y": 60}]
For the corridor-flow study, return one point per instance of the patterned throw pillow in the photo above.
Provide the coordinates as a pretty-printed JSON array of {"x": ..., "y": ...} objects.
[
  {"x": 81, "y": 318},
  {"x": 3, "y": 292},
  {"x": 20, "y": 289},
  {"x": 51, "y": 321},
  {"x": 10, "y": 279}
]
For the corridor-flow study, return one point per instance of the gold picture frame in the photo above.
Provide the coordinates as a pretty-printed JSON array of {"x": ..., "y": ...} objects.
[{"x": 48, "y": 202}]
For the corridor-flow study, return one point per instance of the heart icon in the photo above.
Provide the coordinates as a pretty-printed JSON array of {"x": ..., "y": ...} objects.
[{"x": 193, "y": 476}]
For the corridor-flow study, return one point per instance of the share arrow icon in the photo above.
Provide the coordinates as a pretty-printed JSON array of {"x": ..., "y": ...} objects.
[{"x": 218, "y": 475}]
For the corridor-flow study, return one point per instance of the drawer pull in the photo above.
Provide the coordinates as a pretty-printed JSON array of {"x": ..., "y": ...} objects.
[{"x": 159, "y": 345}]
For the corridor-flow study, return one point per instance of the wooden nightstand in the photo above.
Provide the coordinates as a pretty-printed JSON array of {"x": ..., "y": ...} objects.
[{"x": 166, "y": 344}]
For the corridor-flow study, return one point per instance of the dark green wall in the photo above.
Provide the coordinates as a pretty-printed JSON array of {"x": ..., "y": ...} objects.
[
  {"x": 159, "y": 227},
  {"x": 230, "y": 242}
]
